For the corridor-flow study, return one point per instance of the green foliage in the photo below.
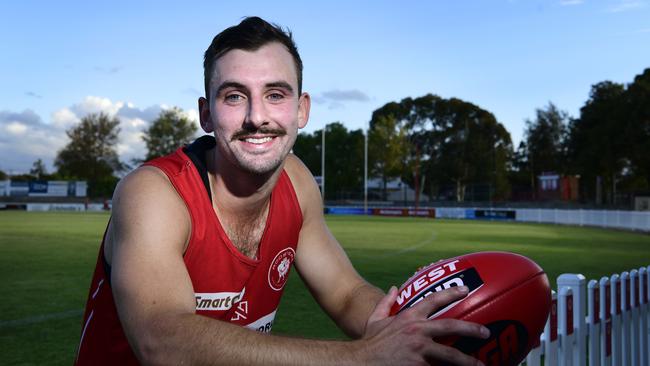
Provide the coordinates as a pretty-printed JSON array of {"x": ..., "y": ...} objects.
[
  {"x": 545, "y": 143},
  {"x": 608, "y": 144},
  {"x": 308, "y": 149},
  {"x": 455, "y": 142},
  {"x": 388, "y": 148},
  {"x": 343, "y": 161},
  {"x": 171, "y": 130},
  {"x": 90, "y": 155},
  {"x": 597, "y": 145},
  {"x": 637, "y": 133},
  {"x": 38, "y": 169},
  {"x": 545, "y": 138}
]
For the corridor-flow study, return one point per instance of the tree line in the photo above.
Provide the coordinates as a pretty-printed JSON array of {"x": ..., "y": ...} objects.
[
  {"x": 451, "y": 149},
  {"x": 447, "y": 149},
  {"x": 91, "y": 154}
]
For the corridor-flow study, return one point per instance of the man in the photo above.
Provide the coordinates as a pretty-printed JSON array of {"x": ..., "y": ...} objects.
[{"x": 199, "y": 245}]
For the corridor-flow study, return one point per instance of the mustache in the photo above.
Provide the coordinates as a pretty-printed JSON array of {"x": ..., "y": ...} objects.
[{"x": 244, "y": 133}]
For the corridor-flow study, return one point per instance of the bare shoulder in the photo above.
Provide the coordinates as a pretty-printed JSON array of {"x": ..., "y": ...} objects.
[
  {"x": 146, "y": 206},
  {"x": 144, "y": 189},
  {"x": 304, "y": 184}
]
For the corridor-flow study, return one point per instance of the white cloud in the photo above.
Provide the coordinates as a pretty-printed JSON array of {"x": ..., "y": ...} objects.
[
  {"x": 24, "y": 137},
  {"x": 64, "y": 118},
  {"x": 92, "y": 104},
  {"x": 571, "y": 2},
  {"x": 354, "y": 95},
  {"x": 16, "y": 128},
  {"x": 27, "y": 139},
  {"x": 626, "y": 5}
]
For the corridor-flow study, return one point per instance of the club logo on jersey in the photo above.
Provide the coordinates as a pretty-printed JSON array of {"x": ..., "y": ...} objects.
[
  {"x": 217, "y": 301},
  {"x": 279, "y": 269}
]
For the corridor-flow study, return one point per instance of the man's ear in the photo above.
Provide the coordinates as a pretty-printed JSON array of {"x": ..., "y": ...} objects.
[
  {"x": 204, "y": 115},
  {"x": 304, "y": 105}
]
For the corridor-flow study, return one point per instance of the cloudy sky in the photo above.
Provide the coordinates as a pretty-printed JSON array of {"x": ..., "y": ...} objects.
[{"x": 60, "y": 60}]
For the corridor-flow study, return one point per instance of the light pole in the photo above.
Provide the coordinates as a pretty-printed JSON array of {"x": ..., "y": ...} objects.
[
  {"x": 322, "y": 163},
  {"x": 365, "y": 172}
]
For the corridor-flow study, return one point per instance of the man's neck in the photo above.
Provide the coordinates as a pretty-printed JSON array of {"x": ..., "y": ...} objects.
[
  {"x": 241, "y": 201},
  {"x": 235, "y": 191}
]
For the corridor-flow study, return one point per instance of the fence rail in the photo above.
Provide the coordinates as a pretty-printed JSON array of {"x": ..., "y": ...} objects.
[
  {"x": 601, "y": 322},
  {"x": 627, "y": 220}
]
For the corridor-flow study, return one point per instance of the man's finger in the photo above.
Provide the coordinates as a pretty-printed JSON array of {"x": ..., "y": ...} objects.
[
  {"x": 453, "y": 327},
  {"x": 382, "y": 309},
  {"x": 438, "y": 300}
]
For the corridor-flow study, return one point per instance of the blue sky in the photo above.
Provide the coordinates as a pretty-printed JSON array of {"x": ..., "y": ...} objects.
[{"x": 61, "y": 60}]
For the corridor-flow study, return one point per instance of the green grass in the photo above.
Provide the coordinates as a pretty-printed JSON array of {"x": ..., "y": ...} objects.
[{"x": 47, "y": 259}]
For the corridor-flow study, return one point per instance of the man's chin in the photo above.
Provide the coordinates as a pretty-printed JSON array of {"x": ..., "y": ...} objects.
[{"x": 260, "y": 168}]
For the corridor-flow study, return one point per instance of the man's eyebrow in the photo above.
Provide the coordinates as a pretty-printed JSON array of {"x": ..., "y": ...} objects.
[
  {"x": 231, "y": 84},
  {"x": 280, "y": 85}
]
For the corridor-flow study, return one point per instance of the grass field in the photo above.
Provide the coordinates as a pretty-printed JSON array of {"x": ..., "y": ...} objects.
[{"x": 47, "y": 259}]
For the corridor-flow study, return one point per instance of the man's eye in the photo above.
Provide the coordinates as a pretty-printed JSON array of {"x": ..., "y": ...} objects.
[
  {"x": 233, "y": 98},
  {"x": 275, "y": 96}
]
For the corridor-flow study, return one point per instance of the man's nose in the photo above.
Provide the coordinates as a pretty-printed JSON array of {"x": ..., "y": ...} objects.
[{"x": 256, "y": 112}]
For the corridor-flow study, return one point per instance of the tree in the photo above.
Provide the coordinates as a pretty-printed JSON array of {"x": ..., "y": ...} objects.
[
  {"x": 597, "y": 145},
  {"x": 546, "y": 138},
  {"x": 90, "y": 155},
  {"x": 452, "y": 143},
  {"x": 171, "y": 130},
  {"x": 387, "y": 149},
  {"x": 308, "y": 148},
  {"x": 343, "y": 159},
  {"x": 3, "y": 175},
  {"x": 637, "y": 132},
  {"x": 38, "y": 169}
]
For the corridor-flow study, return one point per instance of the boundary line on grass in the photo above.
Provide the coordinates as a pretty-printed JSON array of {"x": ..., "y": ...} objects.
[
  {"x": 40, "y": 318},
  {"x": 414, "y": 247}
]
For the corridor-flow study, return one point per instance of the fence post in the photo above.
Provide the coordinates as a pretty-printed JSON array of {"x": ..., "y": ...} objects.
[
  {"x": 647, "y": 307},
  {"x": 615, "y": 310},
  {"x": 566, "y": 326},
  {"x": 593, "y": 321},
  {"x": 550, "y": 334},
  {"x": 643, "y": 316},
  {"x": 578, "y": 285},
  {"x": 625, "y": 318},
  {"x": 634, "y": 316},
  {"x": 606, "y": 321}
]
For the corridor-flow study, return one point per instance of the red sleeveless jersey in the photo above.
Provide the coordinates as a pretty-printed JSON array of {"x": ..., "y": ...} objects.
[{"x": 228, "y": 286}]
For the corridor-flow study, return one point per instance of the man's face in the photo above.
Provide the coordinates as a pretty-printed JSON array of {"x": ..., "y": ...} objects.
[{"x": 254, "y": 108}]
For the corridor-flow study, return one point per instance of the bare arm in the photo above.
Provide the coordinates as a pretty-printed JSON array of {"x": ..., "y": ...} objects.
[
  {"x": 361, "y": 309},
  {"x": 323, "y": 265}
]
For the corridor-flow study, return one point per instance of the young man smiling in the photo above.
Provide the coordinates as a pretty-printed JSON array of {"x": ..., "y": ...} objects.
[{"x": 199, "y": 245}]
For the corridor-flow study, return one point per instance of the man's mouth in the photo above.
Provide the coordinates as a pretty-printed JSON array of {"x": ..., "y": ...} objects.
[
  {"x": 258, "y": 137},
  {"x": 257, "y": 140}
]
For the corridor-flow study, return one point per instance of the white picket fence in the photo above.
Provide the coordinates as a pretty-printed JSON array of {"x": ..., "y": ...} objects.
[{"x": 597, "y": 323}]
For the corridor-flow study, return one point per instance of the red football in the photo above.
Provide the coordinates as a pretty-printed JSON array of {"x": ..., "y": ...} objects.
[{"x": 509, "y": 294}]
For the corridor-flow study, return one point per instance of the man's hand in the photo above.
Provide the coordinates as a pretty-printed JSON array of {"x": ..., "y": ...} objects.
[{"x": 407, "y": 338}]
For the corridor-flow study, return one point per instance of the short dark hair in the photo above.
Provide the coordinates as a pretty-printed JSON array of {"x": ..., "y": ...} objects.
[{"x": 249, "y": 35}]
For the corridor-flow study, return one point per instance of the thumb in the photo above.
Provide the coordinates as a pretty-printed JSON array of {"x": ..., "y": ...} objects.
[{"x": 382, "y": 309}]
